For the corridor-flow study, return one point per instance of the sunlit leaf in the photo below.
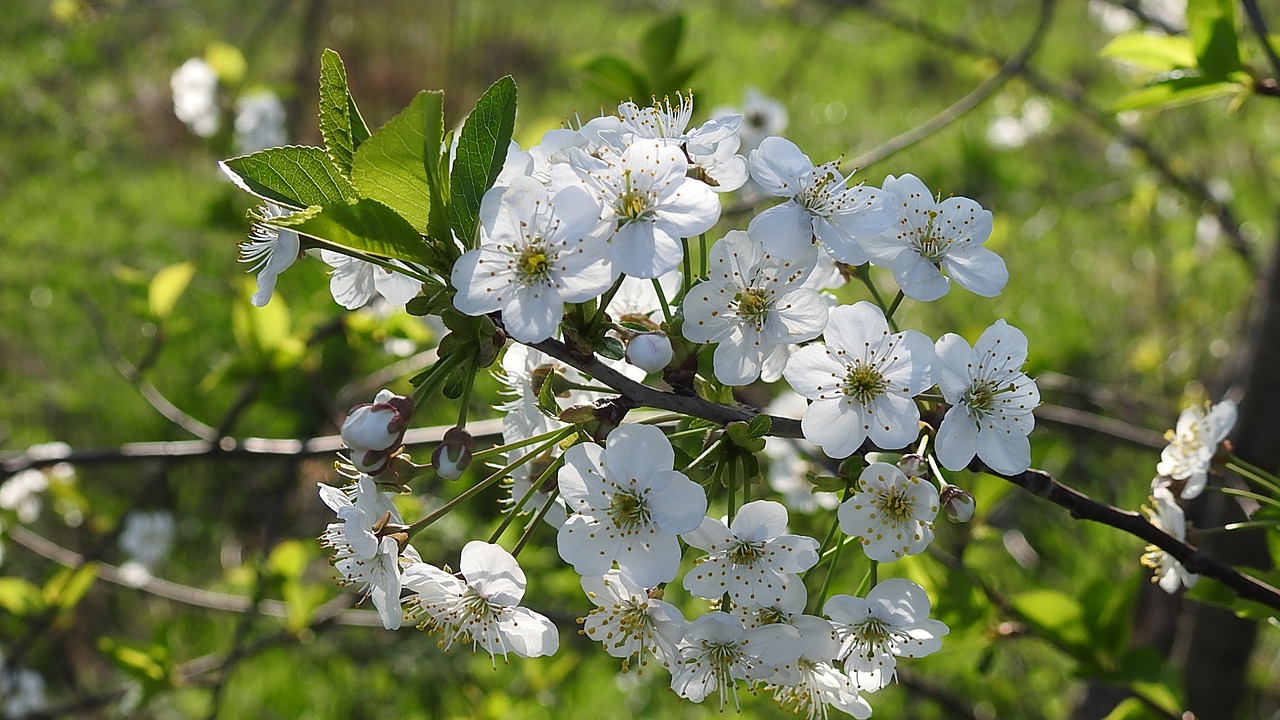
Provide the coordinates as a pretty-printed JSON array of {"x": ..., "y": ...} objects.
[
  {"x": 167, "y": 286},
  {"x": 1212, "y": 26},
  {"x": 366, "y": 225},
  {"x": 20, "y": 597},
  {"x": 1160, "y": 53},
  {"x": 294, "y": 175},
  {"x": 391, "y": 166},
  {"x": 1177, "y": 91},
  {"x": 341, "y": 125},
  {"x": 482, "y": 148}
]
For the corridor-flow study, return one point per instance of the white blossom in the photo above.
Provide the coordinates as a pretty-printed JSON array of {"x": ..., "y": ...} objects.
[
  {"x": 820, "y": 205},
  {"x": 628, "y": 506},
  {"x": 711, "y": 148},
  {"x": 270, "y": 251},
  {"x": 1193, "y": 444},
  {"x": 147, "y": 536},
  {"x": 195, "y": 96},
  {"x": 861, "y": 382},
  {"x": 630, "y": 623},
  {"x": 929, "y": 236},
  {"x": 354, "y": 282},
  {"x": 482, "y": 607},
  {"x": 717, "y": 651},
  {"x": 259, "y": 122},
  {"x": 817, "y": 684},
  {"x": 991, "y": 400},
  {"x": 753, "y": 559},
  {"x": 891, "y": 514},
  {"x": 753, "y": 306},
  {"x": 536, "y": 253},
  {"x": 891, "y": 622},
  {"x": 1167, "y": 516}
]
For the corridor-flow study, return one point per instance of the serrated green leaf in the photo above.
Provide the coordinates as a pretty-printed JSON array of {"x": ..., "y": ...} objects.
[
  {"x": 660, "y": 45},
  {"x": 391, "y": 166},
  {"x": 20, "y": 597},
  {"x": 1212, "y": 27},
  {"x": 294, "y": 175},
  {"x": 341, "y": 125},
  {"x": 1177, "y": 91},
  {"x": 167, "y": 286},
  {"x": 1159, "y": 53},
  {"x": 482, "y": 148},
  {"x": 369, "y": 226}
]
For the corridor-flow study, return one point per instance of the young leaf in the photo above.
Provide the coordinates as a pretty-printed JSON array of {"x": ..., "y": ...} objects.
[
  {"x": 391, "y": 166},
  {"x": 613, "y": 77},
  {"x": 659, "y": 47},
  {"x": 341, "y": 125},
  {"x": 482, "y": 148},
  {"x": 1177, "y": 91},
  {"x": 367, "y": 225},
  {"x": 294, "y": 176},
  {"x": 167, "y": 286},
  {"x": 1212, "y": 26},
  {"x": 1158, "y": 53}
]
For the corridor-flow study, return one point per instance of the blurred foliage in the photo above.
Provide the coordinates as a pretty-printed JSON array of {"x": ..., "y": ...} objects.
[{"x": 120, "y": 240}]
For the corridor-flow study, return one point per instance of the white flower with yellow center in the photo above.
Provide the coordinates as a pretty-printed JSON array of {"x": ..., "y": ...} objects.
[
  {"x": 627, "y": 505},
  {"x": 820, "y": 205},
  {"x": 891, "y": 622},
  {"x": 753, "y": 559},
  {"x": 891, "y": 514},
  {"x": 717, "y": 651},
  {"x": 536, "y": 253},
  {"x": 630, "y": 623},
  {"x": 816, "y": 683},
  {"x": 991, "y": 400},
  {"x": 482, "y": 607},
  {"x": 861, "y": 382},
  {"x": 1168, "y": 516},
  {"x": 752, "y": 304},
  {"x": 1194, "y": 443}
]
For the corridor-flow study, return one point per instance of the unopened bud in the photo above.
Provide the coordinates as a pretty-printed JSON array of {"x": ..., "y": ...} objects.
[
  {"x": 452, "y": 456},
  {"x": 650, "y": 351},
  {"x": 957, "y": 504},
  {"x": 373, "y": 431},
  {"x": 913, "y": 466}
]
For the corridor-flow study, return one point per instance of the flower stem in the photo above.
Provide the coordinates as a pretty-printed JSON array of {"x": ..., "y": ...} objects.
[
  {"x": 1254, "y": 473},
  {"x": 465, "y": 400},
  {"x": 534, "y": 523},
  {"x": 515, "y": 507},
  {"x": 897, "y": 300},
  {"x": 1263, "y": 499},
  {"x": 499, "y": 449},
  {"x": 662, "y": 299},
  {"x": 486, "y": 483}
]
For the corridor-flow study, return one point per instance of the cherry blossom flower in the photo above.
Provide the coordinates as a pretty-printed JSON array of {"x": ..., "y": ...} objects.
[
  {"x": 891, "y": 622},
  {"x": 147, "y": 536},
  {"x": 820, "y": 204},
  {"x": 195, "y": 102},
  {"x": 1194, "y": 443},
  {"x": 354, "y": 282},
  {"x": 630, "y": 623},
  {"x": 628, "y": 506},
  {"x": 711, "y": 147},
  {"x": 365, "y": 553},
  {"x": 817, "y": 684},
  {"x": 752, "y": 559},
  {"x": 753, "y": 306},
  {"x": 991, "y": 400},
  {"x": 536, "y": 253},
  {"x": 930, "y": 236},
  {"x": 650, "y": 204},
  {"x": 270, "y": 250},
  {"x": 483, "y": 607},
  {"x": 1167, "y": 516},
  {"x": 861, "y": 382},
  {"x": 891, "y": 514},
  {"x": 762, "y": 116},
  {"x": 259, "y": 122},
  {"x": 717, "y": 651}
]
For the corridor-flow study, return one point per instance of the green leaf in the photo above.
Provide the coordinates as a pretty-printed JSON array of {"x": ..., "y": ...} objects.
[
  {"x": 1212, "y": 26},
  {"x": 167, "y": 286},
  {"x": 615, "y": 77},
  {"x": 660, "y": 45},
  {"x": 19, "y": 597},
  {"x": 367, "y": 225},
  {"x": 1177, "y": 91},
  {"x": 341, "y": 125},
  {"x": 610, "y": 348},
  {"x": 148, "y": 663},
  {"x": 67, "y": 587},
  {"x": 482, "y": 148},
  {"x": 293, "y": 175},
  {"x": 391, "y": 166},
  {"x": 760, "y": 425},
  {"x": 289, "y": 559},
  {"x": 1058, "y": 617},
  {"x": 261, "y": 332},
  {"x": 1159, "y": 53}
]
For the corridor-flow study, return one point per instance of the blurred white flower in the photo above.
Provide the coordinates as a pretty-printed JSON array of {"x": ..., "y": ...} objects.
[
  {"x": 195, "y": 96},
  {"x": 1194, "y": 443},
  {"x": 21, "y": 494},
  {"x": 259, "y": 122},
  {"x": 1167, "y": 516},
  {"x": 147, "y": 536}
]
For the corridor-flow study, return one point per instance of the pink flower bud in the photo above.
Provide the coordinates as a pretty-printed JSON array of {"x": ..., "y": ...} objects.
[
  {"x": 650, "y": 352},
  {"x": 452, "y": 456}
]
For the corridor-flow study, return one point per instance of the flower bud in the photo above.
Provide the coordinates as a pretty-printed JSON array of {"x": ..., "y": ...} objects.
[
  {"x": 649, "y": 351},
  {"x": 957, "y": 504},
  {"x": 913, "y": 466},
  {"x": 373, "y": 431},
  {"x": 452, "y": 456}
]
